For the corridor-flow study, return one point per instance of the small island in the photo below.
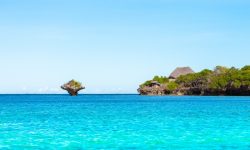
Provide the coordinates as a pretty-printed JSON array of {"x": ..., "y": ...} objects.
[
  {"x": 184, "y": 81},
  {"x": 73, "y": 87}
]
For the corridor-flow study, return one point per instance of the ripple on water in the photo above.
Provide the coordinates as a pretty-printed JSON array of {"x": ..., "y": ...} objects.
[{"x": 123, "y": 122}]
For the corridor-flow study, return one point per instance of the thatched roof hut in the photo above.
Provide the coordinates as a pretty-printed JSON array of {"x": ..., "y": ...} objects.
[{"x": 180, "y": 71}]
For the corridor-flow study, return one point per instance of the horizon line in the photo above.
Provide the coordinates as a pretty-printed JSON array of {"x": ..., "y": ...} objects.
[{"x": 68, "y": 94}]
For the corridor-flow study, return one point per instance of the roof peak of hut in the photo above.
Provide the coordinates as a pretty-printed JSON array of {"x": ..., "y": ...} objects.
[{"x": 180, "y": 71}]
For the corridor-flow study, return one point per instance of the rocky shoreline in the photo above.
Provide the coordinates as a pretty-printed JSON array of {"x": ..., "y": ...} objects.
[{"x": 220, "y": 81}]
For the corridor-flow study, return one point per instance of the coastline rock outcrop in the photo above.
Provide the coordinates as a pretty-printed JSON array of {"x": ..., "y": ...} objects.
[
  {"x": 183, "y": 81},
  {"x": 154, "y": 88},
  {"x": 73, "y": 87}
]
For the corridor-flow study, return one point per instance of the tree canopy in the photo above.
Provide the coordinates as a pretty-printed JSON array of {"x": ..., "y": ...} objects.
[{"x": 74, "y": 84}]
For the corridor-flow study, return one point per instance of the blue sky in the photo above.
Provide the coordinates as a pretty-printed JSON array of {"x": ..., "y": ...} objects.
[{"x": 112, "y": 46}]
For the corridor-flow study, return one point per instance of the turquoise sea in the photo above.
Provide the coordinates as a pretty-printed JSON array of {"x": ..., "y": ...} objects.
[{"x": 123, "y": 122}]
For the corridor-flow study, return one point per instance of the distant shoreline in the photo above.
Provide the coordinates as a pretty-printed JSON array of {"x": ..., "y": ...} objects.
[
  {"x": 127, "y": 95},
  {"x": 67, "y": 94},
  {"x": 221, "y": 81}
]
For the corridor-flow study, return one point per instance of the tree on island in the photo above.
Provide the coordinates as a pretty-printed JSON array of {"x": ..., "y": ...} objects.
[{"x": 73, "y": 87}]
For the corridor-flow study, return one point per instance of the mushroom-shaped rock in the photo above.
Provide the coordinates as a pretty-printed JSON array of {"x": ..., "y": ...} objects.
[{"x": 73, "y": 87}]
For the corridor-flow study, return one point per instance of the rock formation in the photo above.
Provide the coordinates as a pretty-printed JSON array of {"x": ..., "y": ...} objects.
[
  {"x": 183, "y": 81},
  {"x": 154, "y": 88},
  {"x": 73, "y": 87}
]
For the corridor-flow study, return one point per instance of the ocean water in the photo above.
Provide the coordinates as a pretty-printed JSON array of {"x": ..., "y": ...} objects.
[{"x": 123, "y": 122}]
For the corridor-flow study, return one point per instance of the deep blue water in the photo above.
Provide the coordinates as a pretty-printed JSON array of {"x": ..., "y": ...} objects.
[{"x": 123, "y": 122}]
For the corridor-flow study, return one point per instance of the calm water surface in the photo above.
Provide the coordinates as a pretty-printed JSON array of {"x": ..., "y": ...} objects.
[{"x": 123, "y": 122}]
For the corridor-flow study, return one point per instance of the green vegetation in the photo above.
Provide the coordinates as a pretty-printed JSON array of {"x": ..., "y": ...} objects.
[
  {"x": 171, "y": 86},
  {"x": 231, "y": 78},
  {"x": 199, "y": 79},
  {"x": 159, "y": 79},
  {"x": 220, "y": 81},
  {"x": 74, "y": 84}
]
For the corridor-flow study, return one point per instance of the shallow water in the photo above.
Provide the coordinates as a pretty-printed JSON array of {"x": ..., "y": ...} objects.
[{"x": 123, "y": 122}]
